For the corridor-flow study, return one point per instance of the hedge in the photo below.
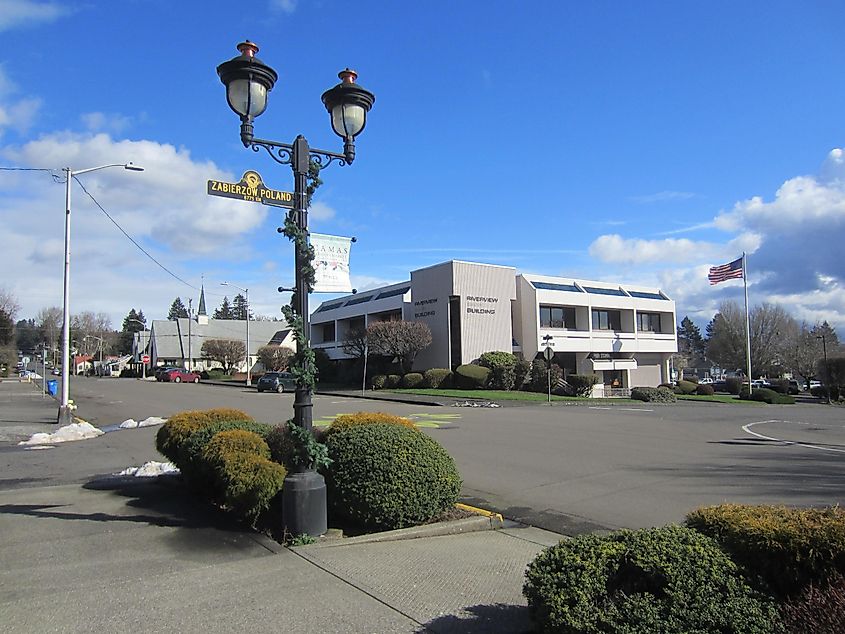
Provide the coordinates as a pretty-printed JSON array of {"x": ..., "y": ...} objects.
[
  {"x": 345, "y": 421},
  {"x": 686, "y": 387},
  {"x": 653, "y": 394},
  {"x": 472, "y": 377},
  {"x": 179, "y": 428},
  {"x": 704, "y": 389},
  {"x": 437, "y": 378},
  {"x": 412, "y": 380},
  {"x": 387, "y": 476},
  {"x": 379, "y": 381},
  {"x": 787, "y": 548},
  {"x": 764, "y": 395},
  {"x": 250, "y": 483},
  {"x": 670, "y": 579},
  {"x": 502, "y": 367},
  {"x": 582, "y": 383}
]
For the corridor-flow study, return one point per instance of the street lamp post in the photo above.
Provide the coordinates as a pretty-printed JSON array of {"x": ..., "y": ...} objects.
[
  {"x": 65, "y": 417},
  {"x": 245, "y": 291},
  {"x": 143, "y": 365},
  {"x": 826, "y": 366},
  {"x": 248, "y": 80}
]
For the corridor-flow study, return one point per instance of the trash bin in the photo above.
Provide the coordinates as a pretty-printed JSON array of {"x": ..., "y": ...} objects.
[{"x": 52, "y": 387}]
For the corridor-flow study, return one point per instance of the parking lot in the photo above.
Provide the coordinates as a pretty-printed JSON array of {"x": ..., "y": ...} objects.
[{"x": 568, "y": 468}]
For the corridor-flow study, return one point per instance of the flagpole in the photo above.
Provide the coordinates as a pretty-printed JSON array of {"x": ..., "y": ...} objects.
[{"x": 747, "y": 320}]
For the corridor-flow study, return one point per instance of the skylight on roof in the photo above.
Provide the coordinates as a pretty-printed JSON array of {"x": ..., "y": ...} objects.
[
  {"x": 325, "y": 307},
  {"x": 393, "y": 293},
  {"x": 644, "y": 295},
  {"x": 549, "y": 286},
  {"x": 604, "y": 291},
  {"x": 359, "y": 300}
]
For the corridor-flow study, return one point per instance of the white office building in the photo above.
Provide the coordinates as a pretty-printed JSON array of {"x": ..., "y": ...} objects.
[{"x": 623, "y": 333}]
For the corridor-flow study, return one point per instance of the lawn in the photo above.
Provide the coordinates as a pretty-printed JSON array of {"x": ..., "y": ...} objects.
[{"x": 501, "y": 395}]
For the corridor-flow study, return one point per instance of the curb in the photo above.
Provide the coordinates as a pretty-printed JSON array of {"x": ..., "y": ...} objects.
[{"x": 456, "y": 527}]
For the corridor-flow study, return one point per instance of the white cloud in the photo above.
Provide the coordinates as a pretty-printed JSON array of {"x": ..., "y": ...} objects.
[
  {"x": 24, "y": 13},
  {"x": 165, "y": 208},
  {"x": 286, "y": 6},
  {"x": 15, "y": 113},
  {"x": 320, "y": 211},
  {"x": 105, "y": 122},
  {"x": 615, "y": 248}
]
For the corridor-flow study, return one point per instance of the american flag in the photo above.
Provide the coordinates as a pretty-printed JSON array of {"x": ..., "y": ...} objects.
[{"x": 729, "y": 271}]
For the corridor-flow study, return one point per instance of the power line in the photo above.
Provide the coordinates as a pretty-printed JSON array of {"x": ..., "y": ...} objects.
[{"x": 132, "y": 240}]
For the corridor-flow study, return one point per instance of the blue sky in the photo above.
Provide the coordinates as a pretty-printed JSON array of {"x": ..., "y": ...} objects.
[{"x": 635, "y": 142}]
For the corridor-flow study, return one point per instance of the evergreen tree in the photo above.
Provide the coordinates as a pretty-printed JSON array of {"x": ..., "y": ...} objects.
[
  {"x": 225, "y": 310},
  {"x": 690, "y": 341},
  {"x": 131, "y": 325},
  {"x": 177, "y": 310},
  {"x": 239, "y": 307}
]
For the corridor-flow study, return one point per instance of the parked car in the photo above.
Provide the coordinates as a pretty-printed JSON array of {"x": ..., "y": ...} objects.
[
  {"x": 162, "y": 370},
  {"x": 760, "y": 383},
  {"x": 815, "y": 384},
  {"x": 178, "y": 375},
  {"x": 276, "y": 382},
  {"x": 795, "y": 386},
  {"x": 706, "y": 381}
]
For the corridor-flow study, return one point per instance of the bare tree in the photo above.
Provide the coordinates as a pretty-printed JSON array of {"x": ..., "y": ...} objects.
[
  {"x": 355, "y": 344},
  {"x": 9, "y": 303},
  {"x": 274, "y": 357},
  {"x": 228, "y": 352},
  {"x": 399, "y": 339}
]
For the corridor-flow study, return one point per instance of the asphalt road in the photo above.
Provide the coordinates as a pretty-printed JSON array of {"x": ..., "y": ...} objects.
[{"x": 568, "y": 469}]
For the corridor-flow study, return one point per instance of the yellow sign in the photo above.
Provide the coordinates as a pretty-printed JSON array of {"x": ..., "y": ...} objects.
[{"x": 251, "y": 189}]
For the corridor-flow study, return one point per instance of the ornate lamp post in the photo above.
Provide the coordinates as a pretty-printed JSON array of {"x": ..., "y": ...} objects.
[{"x": 248, "y": 80}]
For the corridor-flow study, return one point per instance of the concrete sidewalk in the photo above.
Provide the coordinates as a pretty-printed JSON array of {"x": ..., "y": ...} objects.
[{"x": 123, "y": 554}]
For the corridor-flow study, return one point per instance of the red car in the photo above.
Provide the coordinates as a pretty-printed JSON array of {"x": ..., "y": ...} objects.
[{"x": 180, "y": 376}]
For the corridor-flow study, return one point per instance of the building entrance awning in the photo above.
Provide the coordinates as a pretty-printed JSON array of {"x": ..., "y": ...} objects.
[{"x": 614, "y": 364}]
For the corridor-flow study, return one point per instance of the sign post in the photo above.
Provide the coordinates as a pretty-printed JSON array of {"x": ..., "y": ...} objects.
[
  {"x": 548, "y": 355},
  {"x": 145, "y": 359}
]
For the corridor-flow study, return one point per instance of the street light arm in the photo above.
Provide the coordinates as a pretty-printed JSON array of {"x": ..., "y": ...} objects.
[
  {"x": 282, "y": 153},
  {"x": 127, "y": 166}
]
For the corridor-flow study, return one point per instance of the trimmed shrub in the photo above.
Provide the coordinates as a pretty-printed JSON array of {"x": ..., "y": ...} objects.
[
  {"x": 786, "y": 548},
  {"x": 540, "y": 378},
  {"x": 765, "y": 395},
  {"x": 582, "y": 384},
  {"x": 691, "y": 378},
  {"x": 686, "y": 387},
  {"x": 225, "y": 444},
  {"x": 250, "y": 483},
  {"x": 669, "y": 579},
  {"x": 412, "y": 380},
  {"x": 522, "y": 372},
  {"x": 379, "y": 381},
  {"x": 179, "y": 427},
  {"x": 502, "y": 367},
  {"x": 781, "y": 386},
  {"x": 704, "y": 389},
  {"x": 471, "y": 377},
  {"x": 289, "y": 453},
  {"x": 437, "y": 378},
  {"x": 653, "y": 394},
  {"x": 819, "y": 609},
  {"x": 190, "y": 459},
  {"x": 393, "y": 381},
  {"x": 386, "y": 476},
  {"x": 733, "y": 384},
  {"x": 345, "y": 421}
]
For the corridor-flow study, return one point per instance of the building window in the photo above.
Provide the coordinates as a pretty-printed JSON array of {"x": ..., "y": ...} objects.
[
  {"x": 607, "y": 320},
  {"x": 648, "y": 322},
  {"x": 328, "y": 331},
  {"x": 557, "y": 317}
]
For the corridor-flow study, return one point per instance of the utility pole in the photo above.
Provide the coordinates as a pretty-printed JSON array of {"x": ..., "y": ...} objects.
[{"x": 190, "y": 319}]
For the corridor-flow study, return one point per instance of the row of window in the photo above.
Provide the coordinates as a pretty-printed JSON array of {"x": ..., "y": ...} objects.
[{"x": 564, "y": 317}]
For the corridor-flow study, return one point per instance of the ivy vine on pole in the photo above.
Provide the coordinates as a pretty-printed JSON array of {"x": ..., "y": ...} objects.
[{"x": 303, "y": 363}]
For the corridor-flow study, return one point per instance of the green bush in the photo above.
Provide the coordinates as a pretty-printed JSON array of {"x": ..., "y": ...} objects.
[
  {"x": 786, "y": 548},
  {"x": 823, "y": 390},
  {"x": 522, "y": 372},
  {"x": 653, "y": 394},
  {"x": 582, "y": 383},
  {"x": 765, "y": 395},
  {"x": 225, "y": 444},
  {"x": 781, "y": 386},
  {"x": 705, "y": 390},
  {"x": 733, "y": 384},
  {"x": 190, "y": 459},
  {"x": 295, "y": 448},
  {"x": 502, "y": 367},
  {"x": 250, "y": 483},
  {"x": 179, "y": 428},
  {"x": 388, "y": 476},
  {"x": 437, "y": 378},
  {"x": 692, "y": 379},
  {"x": 412, "y": 380},
  {"x": 670, "y": 579},
  {"x": 471, "y": 377},
  {"x": 345, "y": 421},
  {"x": 539, "y": 381},
  {"x": 379, "y": 381},
  {"x": 686, "y": 387},
  {"x": 393, "y": 381}
]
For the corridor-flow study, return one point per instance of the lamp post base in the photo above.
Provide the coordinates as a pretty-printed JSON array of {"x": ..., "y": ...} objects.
[
  {"x": 304, "y": 504},
  {"x": 65, "y": 416}
]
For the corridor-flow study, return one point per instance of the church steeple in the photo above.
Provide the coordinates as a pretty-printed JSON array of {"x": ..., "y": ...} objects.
[{"x": 202, "y": 316}]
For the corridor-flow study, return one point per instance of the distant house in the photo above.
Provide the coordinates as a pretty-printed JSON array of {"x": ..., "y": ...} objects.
[{"x": 179, "y": 342}]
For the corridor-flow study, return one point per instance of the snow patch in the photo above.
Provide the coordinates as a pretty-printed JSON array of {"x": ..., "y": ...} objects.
[
  {"x": 150, "y": 469},
  {"x": 68, "y": 433},
  {"x": 131, "y": 423}
]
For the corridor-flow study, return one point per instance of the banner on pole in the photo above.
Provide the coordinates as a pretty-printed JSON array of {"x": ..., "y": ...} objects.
[{"x": 331, "y": 263}]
